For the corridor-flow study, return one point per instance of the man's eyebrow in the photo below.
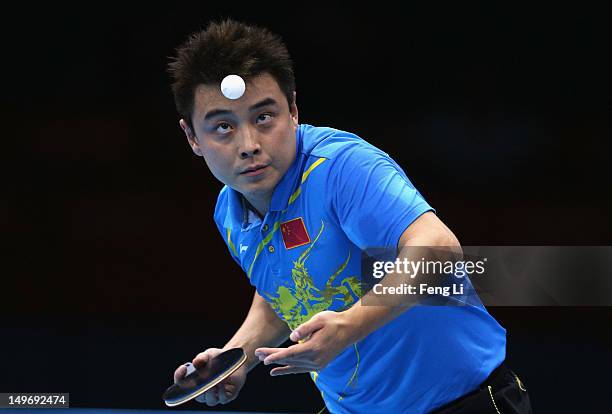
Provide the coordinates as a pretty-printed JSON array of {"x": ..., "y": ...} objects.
[
  {"x": 217, "y": 112},
  {"x": 262, "y": 103}
]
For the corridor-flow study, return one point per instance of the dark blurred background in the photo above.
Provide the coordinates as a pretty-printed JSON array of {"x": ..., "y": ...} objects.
[{"x": 113, "y": 271}]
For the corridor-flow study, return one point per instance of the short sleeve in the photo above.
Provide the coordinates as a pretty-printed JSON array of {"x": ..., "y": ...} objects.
[{"x": 372, "y": 197}]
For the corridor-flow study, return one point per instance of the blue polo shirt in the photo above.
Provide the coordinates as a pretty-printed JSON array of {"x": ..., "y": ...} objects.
[{"x": 339, "y": 197}]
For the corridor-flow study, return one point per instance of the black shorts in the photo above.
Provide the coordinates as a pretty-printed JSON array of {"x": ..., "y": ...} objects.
[{"x": 501, "y": 393}]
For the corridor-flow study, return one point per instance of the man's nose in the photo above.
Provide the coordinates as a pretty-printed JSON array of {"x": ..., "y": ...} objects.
[{"x": 249, "y": 143}]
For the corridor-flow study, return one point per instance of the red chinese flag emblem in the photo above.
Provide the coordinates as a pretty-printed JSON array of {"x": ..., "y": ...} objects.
[{"x": 294, "y": 233}]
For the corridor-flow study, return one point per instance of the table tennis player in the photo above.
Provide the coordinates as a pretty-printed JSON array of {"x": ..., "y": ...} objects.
[{"x": 299, "y": 205}]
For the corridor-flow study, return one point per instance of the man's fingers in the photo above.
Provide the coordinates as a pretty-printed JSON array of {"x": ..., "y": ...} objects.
[
  {"x": 306, "y": 329},
  {"x": 224, "y": 396},
  {"x": 211, "y": 397},
  {"x": 295, "y": 353},
  {"x": 201, "y": 359},
  {"x": 180, "y": 373},
  {"x": 288, "y": 370},
  {"x": 202, "y": 398},
  {"x": 230, "y": 389},
  {"x": 264, "y": 352}
]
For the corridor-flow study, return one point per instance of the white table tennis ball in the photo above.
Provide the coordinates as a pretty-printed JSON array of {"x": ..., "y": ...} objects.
[{"x": 233, "y": 86}]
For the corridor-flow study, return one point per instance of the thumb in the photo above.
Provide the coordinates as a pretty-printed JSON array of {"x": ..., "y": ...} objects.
[{"x": 306, "y": 329}]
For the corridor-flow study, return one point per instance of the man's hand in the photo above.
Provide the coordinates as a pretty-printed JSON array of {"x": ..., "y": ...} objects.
[
  {"x": 320, "y": 339},
  {"x": 222, "y": 393}
]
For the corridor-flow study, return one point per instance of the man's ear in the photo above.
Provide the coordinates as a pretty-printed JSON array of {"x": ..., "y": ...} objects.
[
  {"x": 191, "y": 138},
  {"x": 293, "y": 109}
]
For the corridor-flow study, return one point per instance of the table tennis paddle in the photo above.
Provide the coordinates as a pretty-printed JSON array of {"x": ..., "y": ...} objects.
[{"x": 203, "y": 379}]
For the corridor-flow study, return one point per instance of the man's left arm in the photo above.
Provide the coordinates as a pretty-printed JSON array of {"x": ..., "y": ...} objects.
[
  {"x": 329, "y": 333},
  {"x": 419, "y": 240}
]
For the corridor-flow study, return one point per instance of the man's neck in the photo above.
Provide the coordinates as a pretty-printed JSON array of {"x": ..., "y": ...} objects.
[{"x": 259, "y": 206}]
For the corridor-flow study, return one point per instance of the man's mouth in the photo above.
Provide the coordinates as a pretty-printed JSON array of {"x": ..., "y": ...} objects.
[{"x": 254, "y": 170}]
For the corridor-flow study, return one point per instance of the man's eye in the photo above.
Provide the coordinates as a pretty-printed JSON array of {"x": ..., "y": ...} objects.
[
  {"x": 263, "y": 118},
  {"x": 223, "y": 128}
]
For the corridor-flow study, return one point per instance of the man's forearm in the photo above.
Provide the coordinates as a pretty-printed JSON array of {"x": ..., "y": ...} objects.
[
  {"x": 261, "y": 328},
  {"x": 366, "y": 316}
]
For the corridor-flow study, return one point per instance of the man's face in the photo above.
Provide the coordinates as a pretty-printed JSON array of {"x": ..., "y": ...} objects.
[{"x": 247, "y": 143}]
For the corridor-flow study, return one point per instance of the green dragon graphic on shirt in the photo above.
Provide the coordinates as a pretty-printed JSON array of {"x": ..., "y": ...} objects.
[{"x": 298, "y": 303}]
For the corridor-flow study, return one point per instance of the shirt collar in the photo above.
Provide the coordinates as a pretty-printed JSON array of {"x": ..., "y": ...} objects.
[
  {"x": 234, "y": 215},
  {"x": 288, "y": 184}
]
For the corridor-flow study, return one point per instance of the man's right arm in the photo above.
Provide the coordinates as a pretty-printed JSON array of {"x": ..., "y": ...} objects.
[{"x": 261, "y": 328}]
